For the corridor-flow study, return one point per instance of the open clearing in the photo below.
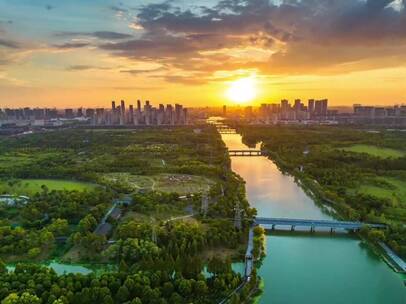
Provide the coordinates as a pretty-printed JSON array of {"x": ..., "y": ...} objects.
[
  {"x": 179, "y": 183},
  {"x": 395, "y": 190},
  {"x": 375, "y": 151},
  {"x": 32, "y": 186}
]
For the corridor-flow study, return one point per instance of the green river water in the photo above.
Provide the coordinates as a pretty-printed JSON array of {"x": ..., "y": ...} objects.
[{"x": 310, "y": 268}]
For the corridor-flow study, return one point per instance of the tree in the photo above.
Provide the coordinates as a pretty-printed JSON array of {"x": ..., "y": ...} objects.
[
  {"x": 3, "y": 268},
  {"x": 235, "y": 299},
  {"x": 167, "y": 289},
  {"x": 122, "y": 294},
  {"x": 88, "y": 223},
  {"x": 59, "y": 227},
  {"x": 25, "y": 298},
  {"x": 376, "y": 235},
  {"x": 201, "y": 288},
  {"x": 185, "y": 287},
  {"x": 34, "y": 252}
]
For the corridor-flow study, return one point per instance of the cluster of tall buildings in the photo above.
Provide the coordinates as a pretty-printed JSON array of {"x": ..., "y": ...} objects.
[
  {"x": 379, "y": 112},
  {"x": 284, "y": 111},
  {"x": 118, "y": 115},
  {"x": 317, "y": 112},
  {"x": 394, "y": 115},
  {"x": 148, "y": 115}
]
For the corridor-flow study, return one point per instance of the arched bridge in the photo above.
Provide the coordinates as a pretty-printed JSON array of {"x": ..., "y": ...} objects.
[{"x": 313, "y": 224}]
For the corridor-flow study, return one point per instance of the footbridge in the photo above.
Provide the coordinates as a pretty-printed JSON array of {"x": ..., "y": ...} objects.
[
  {"x": 313, "y": 224},
  {"x": 246, "y": 152}
]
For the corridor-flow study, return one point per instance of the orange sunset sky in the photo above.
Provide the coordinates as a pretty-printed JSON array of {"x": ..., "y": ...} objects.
[{"x": 89, "y": 52}]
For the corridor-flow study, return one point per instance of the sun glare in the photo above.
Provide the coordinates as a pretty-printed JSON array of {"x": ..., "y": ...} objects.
[{"x": 242, "y": 90}]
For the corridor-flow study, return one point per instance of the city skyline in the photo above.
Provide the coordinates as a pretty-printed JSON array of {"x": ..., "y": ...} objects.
[{"x": 68, "y": 54}]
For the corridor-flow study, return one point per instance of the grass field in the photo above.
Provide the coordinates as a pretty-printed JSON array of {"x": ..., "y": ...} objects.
[
  {"x": 375, "y": 151},
  {"x": 31, "y": 186},
  {"x": 179, "y": 183},
  {"x": 395, "y": 191}
]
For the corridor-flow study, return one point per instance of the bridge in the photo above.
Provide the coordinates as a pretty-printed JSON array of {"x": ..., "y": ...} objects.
[
  {"x": 313, "y": 224},
  {"x": 226, "y": 131},
  {"x": 246, "y": 153}
]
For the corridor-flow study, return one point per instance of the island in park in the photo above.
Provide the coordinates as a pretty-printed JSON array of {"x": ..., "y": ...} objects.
[{"x": 150, "y": 215}]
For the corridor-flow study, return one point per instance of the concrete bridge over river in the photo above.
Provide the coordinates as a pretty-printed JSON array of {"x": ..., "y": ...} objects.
[
  {"x": 246, "y": 153},
  {"x": 313, "y": 224}
]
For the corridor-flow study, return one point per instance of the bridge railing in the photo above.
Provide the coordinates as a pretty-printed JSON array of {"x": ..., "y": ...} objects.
[{"x": 315, "y": 223}]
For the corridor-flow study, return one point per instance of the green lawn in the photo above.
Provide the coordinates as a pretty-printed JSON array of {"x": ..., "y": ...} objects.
[
  {"x": 375, "y": 151},
  {"x": 396, "y": 191},
  {"x": 31, "y": 186}
]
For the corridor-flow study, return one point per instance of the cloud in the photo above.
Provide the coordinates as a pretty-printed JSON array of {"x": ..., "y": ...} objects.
[
  {"x": 142, "y": 71},
  {"x": 118, "y": 9},
  {"x": 71, "y": 45},
  {"x": 9, "y": 44},
  {"x": 49, "y": 7},
  {"x": 104, "y": 35},
  {"x": 111, "y": 35},
  {"x": 85, "y": 67},
  {"x": 308, "y": 36}
]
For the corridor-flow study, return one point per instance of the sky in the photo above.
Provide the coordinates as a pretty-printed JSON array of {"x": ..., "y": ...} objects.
[{"x": 88, "y": 52}]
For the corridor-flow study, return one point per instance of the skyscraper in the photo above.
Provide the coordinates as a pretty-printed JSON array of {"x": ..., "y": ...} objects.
[
  {"x": 122, "y": 113},
  {"x": 310, "y": 106},
  {"x": 130, "y": 119}
]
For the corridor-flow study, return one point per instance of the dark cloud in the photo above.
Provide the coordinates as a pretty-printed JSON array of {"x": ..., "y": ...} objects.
[
  {"x": 111, "y": 35},
  {"x": 142, "y": 71},
  {"x": 118, "y": 9},
  {"x": 9, "y": 44},
  {"x": 105, "y": 35},
  {"x": 49, "y": 7},
  {"x": 307, "y": 36},
  {"x": 81, "y": 67},
  {"x": 71, "y": 45}
]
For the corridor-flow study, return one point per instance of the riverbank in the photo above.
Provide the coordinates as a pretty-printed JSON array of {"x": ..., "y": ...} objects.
[
  {"x": 341, "y": 267},
  {"x": 311, "y": 188}
]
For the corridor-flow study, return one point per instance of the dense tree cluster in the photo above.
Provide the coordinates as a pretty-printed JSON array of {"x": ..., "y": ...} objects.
[
  {"x": 69, "y": 205},
  {"x": 18, "y": 241},
  {"x": 31, "y": 284},
  {"x": 158, "y": 262}
]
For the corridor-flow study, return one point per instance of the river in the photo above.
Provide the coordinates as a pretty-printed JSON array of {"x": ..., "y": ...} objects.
[{"x": 310, "y": 268}]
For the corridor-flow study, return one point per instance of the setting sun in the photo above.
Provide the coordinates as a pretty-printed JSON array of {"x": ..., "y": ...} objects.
[{"x": 242, "y": 90}]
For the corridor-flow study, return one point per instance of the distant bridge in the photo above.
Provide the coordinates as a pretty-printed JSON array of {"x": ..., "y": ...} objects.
[
  {"x": 246, "y": 153},
  {"x": 225, "y": 131},
  {"x": 313, "y": 224}
]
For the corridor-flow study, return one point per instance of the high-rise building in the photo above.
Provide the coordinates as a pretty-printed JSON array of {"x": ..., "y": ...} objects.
[
  {"x": 100, "y": 116},
  {"x": 79, "y": 112},
  {"x": 122, "y": 113},
  {"x": 178, "y": 113},
  {"x": 130, "y": 119},
  {"x": 310, "y": 106},
  {"x": 170, "y": 115},
  {"x": 69, "y": 113}
]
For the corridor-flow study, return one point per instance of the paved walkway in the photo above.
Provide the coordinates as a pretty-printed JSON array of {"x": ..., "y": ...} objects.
[{"x": 394, "y": 257}]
